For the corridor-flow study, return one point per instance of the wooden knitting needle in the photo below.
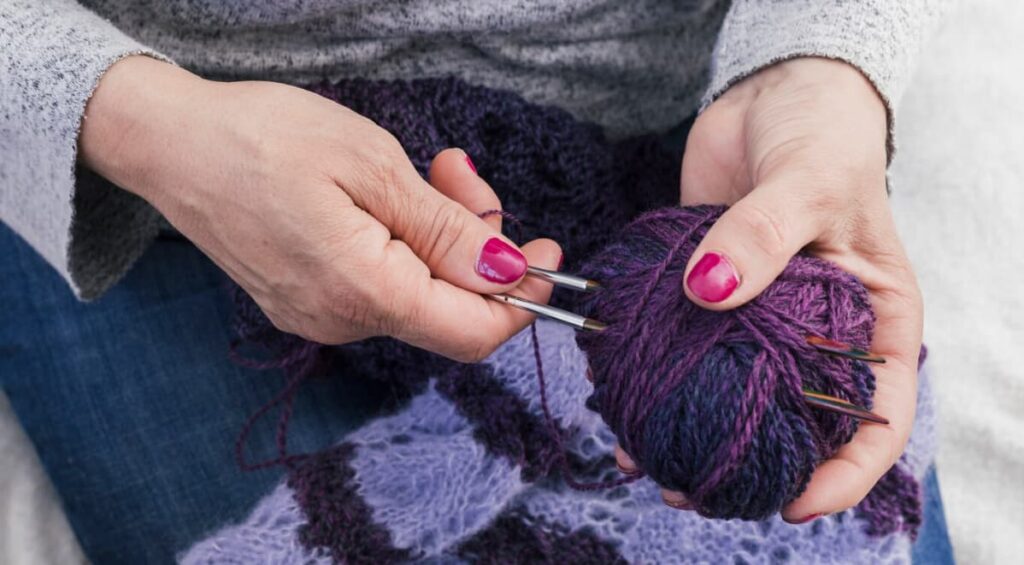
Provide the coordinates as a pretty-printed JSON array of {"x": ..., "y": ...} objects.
[
  {"x": 843, "y": 349},
  {"x": 840, "y": 406}
]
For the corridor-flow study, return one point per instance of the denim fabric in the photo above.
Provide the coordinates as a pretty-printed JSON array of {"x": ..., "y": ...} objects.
[
  {"x": 932, "y": 546},
  {"x": 134, "y": 407}
]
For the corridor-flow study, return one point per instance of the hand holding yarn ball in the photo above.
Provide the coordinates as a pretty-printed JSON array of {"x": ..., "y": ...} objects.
[
  {"x": 798, "y": 150},
  {"x": 711, "y": 403}
]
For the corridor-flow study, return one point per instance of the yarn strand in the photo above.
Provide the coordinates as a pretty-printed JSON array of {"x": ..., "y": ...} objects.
[{"x": 555, "y": 434}]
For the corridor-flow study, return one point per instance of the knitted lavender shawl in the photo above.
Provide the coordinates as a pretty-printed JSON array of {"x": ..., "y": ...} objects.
[{"x": 463, "y": 474}]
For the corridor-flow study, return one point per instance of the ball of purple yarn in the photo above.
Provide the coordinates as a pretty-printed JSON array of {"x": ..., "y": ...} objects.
[{"x": 710, "y": 403}]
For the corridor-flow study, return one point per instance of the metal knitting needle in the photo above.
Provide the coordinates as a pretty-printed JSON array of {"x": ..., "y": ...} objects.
[
  {"x": 550, "y": 312},
  {"x": 562, "y": 279}
]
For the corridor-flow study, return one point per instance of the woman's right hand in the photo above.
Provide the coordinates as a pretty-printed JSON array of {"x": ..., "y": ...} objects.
[{"x": 314, "y": 210}]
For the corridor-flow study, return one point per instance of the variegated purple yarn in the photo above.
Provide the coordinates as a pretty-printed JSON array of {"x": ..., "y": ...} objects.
[{"x": 710, "y": 403}]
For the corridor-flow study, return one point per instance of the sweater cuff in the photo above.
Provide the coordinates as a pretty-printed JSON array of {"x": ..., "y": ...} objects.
[
  {"x": 881, "y": 38},
  {"x": 91, "y": 232}
]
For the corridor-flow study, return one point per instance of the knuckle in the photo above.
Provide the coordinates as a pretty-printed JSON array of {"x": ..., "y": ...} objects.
[
  {"x": 378, "y": 179},
  {"x": 441, "y": 231},
  {"x": 768, "y": 231}
]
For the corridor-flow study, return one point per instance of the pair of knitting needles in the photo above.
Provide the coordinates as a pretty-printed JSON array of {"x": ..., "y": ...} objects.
[{"x": 826, "y": 346}]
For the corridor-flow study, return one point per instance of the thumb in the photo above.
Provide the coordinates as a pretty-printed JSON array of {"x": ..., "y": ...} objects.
[
  {"x": 453, "y": 242},
  {"x": 748, "y": 247}
]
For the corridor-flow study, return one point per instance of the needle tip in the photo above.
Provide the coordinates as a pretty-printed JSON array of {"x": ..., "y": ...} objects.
[
  {"x": 843, "y": 349},
  {"x": 594, "y": 326}
]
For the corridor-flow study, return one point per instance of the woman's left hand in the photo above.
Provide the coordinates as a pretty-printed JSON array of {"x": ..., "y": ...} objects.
[{"x": 798, "y": 150}]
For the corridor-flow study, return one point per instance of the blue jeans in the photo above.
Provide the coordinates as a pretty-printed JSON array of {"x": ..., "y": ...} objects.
[{"x": 134, "y": 407}]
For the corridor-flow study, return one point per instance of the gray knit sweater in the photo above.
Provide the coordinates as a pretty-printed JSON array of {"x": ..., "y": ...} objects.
[{"x": 636, "y": 66}]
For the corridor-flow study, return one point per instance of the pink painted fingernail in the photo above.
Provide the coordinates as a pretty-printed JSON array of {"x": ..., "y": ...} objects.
[
  {"x": 500, "y": 262},
  {"x": 806, "y": 519},
  {"x": 713, "y": 278},
  {"x": 469, "y": 162}
]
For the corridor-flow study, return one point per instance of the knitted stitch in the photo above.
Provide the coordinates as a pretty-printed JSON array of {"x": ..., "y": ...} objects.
[
  {"x": 503, "y": 422},
  {"x": 516, "y": 537},
  {"x": 433, "y": 486},
  {"x": 322, "y": 486}
]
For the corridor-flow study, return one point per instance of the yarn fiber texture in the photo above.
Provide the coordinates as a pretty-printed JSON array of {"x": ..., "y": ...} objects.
[{"x": 710, "y": 403}]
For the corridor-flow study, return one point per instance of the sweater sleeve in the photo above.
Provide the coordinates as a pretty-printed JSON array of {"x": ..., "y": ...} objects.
[
  {"x": 52, "y": 55},
  {"x": 879, "y": 37}
]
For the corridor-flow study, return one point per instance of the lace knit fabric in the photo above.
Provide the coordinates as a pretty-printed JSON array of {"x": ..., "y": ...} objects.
[{"x": 425, "y": 484}]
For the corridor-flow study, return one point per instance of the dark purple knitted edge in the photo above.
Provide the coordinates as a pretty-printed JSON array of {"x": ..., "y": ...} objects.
[
  {"x": 893, "y": 505},
  {"x": 502, "y": 420},
  {"x": 895, "y": 502},
  {"x": 338, "y": 519},
  {"x": 514, "y": 537}
]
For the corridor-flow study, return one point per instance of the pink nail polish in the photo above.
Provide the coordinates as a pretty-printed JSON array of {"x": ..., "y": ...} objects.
[
  {"x": 713, "y": 278},
  {"x": 500, "y": 262},
  {"x": 806, "y": 519},
  {"x": 469, "y": 162}
]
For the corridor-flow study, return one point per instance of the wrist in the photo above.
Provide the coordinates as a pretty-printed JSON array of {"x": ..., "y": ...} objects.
[
  {"x": 838, "y": 78},
  {"x": 138, "y": 107}
]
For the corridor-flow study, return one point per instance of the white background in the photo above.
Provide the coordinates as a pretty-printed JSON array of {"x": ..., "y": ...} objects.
[{"x": 958, "y": 182}]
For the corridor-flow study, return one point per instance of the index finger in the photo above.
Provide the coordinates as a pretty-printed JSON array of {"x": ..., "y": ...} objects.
[{"x": 438, "y": 316}]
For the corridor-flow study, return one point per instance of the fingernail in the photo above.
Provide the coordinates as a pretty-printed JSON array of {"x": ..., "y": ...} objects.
[
  {"x": 561, "y": 259},
  {"x": 500, "y": 262},
  {"x": 625, "y": 471},
  {"x": 677, "y": 504},
  {"x": 806, "y": 519},
  {"x": 469, "y": 162},
  {"x": 713, "y": 278}
]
